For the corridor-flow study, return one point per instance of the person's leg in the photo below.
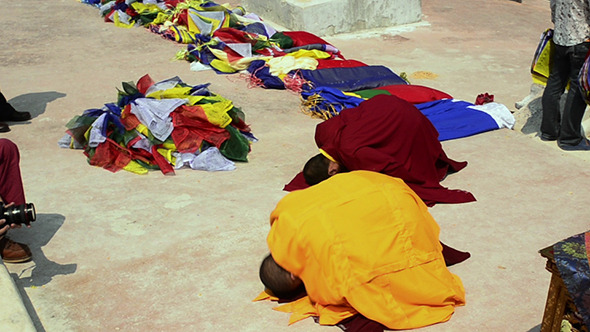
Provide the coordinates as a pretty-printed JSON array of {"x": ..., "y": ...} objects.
[
  {"x": 556, "y": 83},
  {"x": 11, "y": 185},
  {"x": 575, "y": 105},
  {"x": 11, "y": 190}
]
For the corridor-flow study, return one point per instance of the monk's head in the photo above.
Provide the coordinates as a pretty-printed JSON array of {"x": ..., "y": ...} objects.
[
  {"x": 282, "y": 283},
  {"x": 319, "y": 168}
]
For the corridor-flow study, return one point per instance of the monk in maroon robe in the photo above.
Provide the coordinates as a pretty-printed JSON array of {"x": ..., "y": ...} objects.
[{"x": 388, "y": 135}]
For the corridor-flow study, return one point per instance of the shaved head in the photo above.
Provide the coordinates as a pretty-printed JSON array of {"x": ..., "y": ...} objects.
[{"x": 278, "y": 280}]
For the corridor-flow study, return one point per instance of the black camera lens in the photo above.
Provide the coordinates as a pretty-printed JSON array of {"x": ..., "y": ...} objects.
[{"x": 19, "y": 214}]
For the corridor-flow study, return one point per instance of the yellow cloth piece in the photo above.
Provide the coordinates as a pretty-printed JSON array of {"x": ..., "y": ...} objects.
[
  {"x": 142, "y": 129},
  {"x": 284, "y": 64},
  {"x": 166, "y": 153},
  {"x": 539, "y": 79},
  {"x": 316, "y": 54},
  {"x": 327, "y": 156},
  {"x": 542, "y": 67},
  {"x": 135, "y": 167},
  {"x": 182, "y": 35},
  {"x": 207, "y": 19},
  {"x": 120, "y": 24},
  {"x": 222, "y": 66},
  {"x": 352, "y": 94},
  {"x": 170, "y": 146},
  {"x": 192, "y": 100},
  {"x": 265, "y": 296},
  {"x": 176, "y": 92},
  {"x": 161, "y": 18},
  {"x": 142, "y": 8},
  {"x": 363, "y": 241},
  {"x": 304, "y": 308},
  {"x": 217, "y": 113}
]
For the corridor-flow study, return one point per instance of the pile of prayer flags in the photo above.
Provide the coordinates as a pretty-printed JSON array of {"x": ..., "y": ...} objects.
[{"x": 162, "y": 125}]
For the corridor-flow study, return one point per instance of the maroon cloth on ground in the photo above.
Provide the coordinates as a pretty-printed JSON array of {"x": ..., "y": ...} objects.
[
  {"x": 453, "y": 256},
  {"x": 389, "y": 135},
  {"x": 360, "y": 323},
  {"x": 11, "y": 185},
  {"x": 297, "y": 183}
]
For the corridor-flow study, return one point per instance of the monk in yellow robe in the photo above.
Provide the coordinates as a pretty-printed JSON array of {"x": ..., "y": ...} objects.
[{"x": 360, "y": 242}]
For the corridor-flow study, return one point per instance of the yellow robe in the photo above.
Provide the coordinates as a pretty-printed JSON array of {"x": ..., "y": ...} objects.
[{"x": 364, "y": 242}]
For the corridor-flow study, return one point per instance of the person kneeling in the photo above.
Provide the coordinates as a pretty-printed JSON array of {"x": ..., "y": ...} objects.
[{"x": 364, "y": 243}]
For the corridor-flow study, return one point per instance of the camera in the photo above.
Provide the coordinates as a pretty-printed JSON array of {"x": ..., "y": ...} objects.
[{"x": 18, "y": 214}]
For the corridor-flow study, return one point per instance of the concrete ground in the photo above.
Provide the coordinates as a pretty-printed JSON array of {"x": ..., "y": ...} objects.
[{"x": 180, "y": 253}]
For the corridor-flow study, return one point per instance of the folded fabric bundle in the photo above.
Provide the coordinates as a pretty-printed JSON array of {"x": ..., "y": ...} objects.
[
  {"x": 325, "y": 102},
  {"x": 162, "y": 125},
  {"x": 352, "y": 78},
  {"x": 451, "y": 117},
  {"x": 454, "y": 118}
]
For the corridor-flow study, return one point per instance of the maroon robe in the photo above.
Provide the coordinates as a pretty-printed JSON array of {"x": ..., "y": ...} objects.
[
  {"x": 11, "y": 184},
  {"x": 389, "y": 135}
]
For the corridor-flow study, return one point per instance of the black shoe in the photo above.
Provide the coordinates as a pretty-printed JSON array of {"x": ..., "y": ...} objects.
[
  {"x": 14, "y": 115},
  {"x": 4, "y": 127},
  {"x": 584, "y": 145}
]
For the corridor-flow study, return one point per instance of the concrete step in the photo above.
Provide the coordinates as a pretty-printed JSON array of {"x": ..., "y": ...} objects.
[{"x": 331, "y": 17}]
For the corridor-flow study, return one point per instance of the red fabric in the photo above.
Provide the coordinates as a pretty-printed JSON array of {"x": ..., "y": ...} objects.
[
  {"x": 11, "y": 184},
  {"x": 302, "y": 38},
  {"x": 241, "y": 125},
  {"x": 110, "y": 156},
  {"x": 415, "y": 94},
  {"x": 231, "y": 35},
  {"x": 389, "y": 135},
  {"x": 171, "y": 4},
  {"x": 131, "y": 12},
  {"x": 333, "y": 63},
  {"x": 270, "y": 52},
  {"x": 232, "y": 55},
  {"x": 191, "y": 127},
  {"x": 484, "y": 98},
  {"x": 128, "y": 119},
  {"x": 182, "y": 18},
  {"x": 162, "y": 162},
  {"x": 144, "y": 83}
]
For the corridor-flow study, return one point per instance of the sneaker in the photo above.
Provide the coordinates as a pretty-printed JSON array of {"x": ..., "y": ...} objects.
[{"x": 14, "y": 252}]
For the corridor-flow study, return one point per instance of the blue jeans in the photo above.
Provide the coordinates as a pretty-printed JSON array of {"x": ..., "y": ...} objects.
[{"x": 566, "y": 128}]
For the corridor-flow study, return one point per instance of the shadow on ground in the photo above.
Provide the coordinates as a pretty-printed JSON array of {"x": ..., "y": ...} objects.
[
  {"x": 42, "y": 270},
  {"x": 535, "y": 329},
  {"x": 35, "y": 102}
]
